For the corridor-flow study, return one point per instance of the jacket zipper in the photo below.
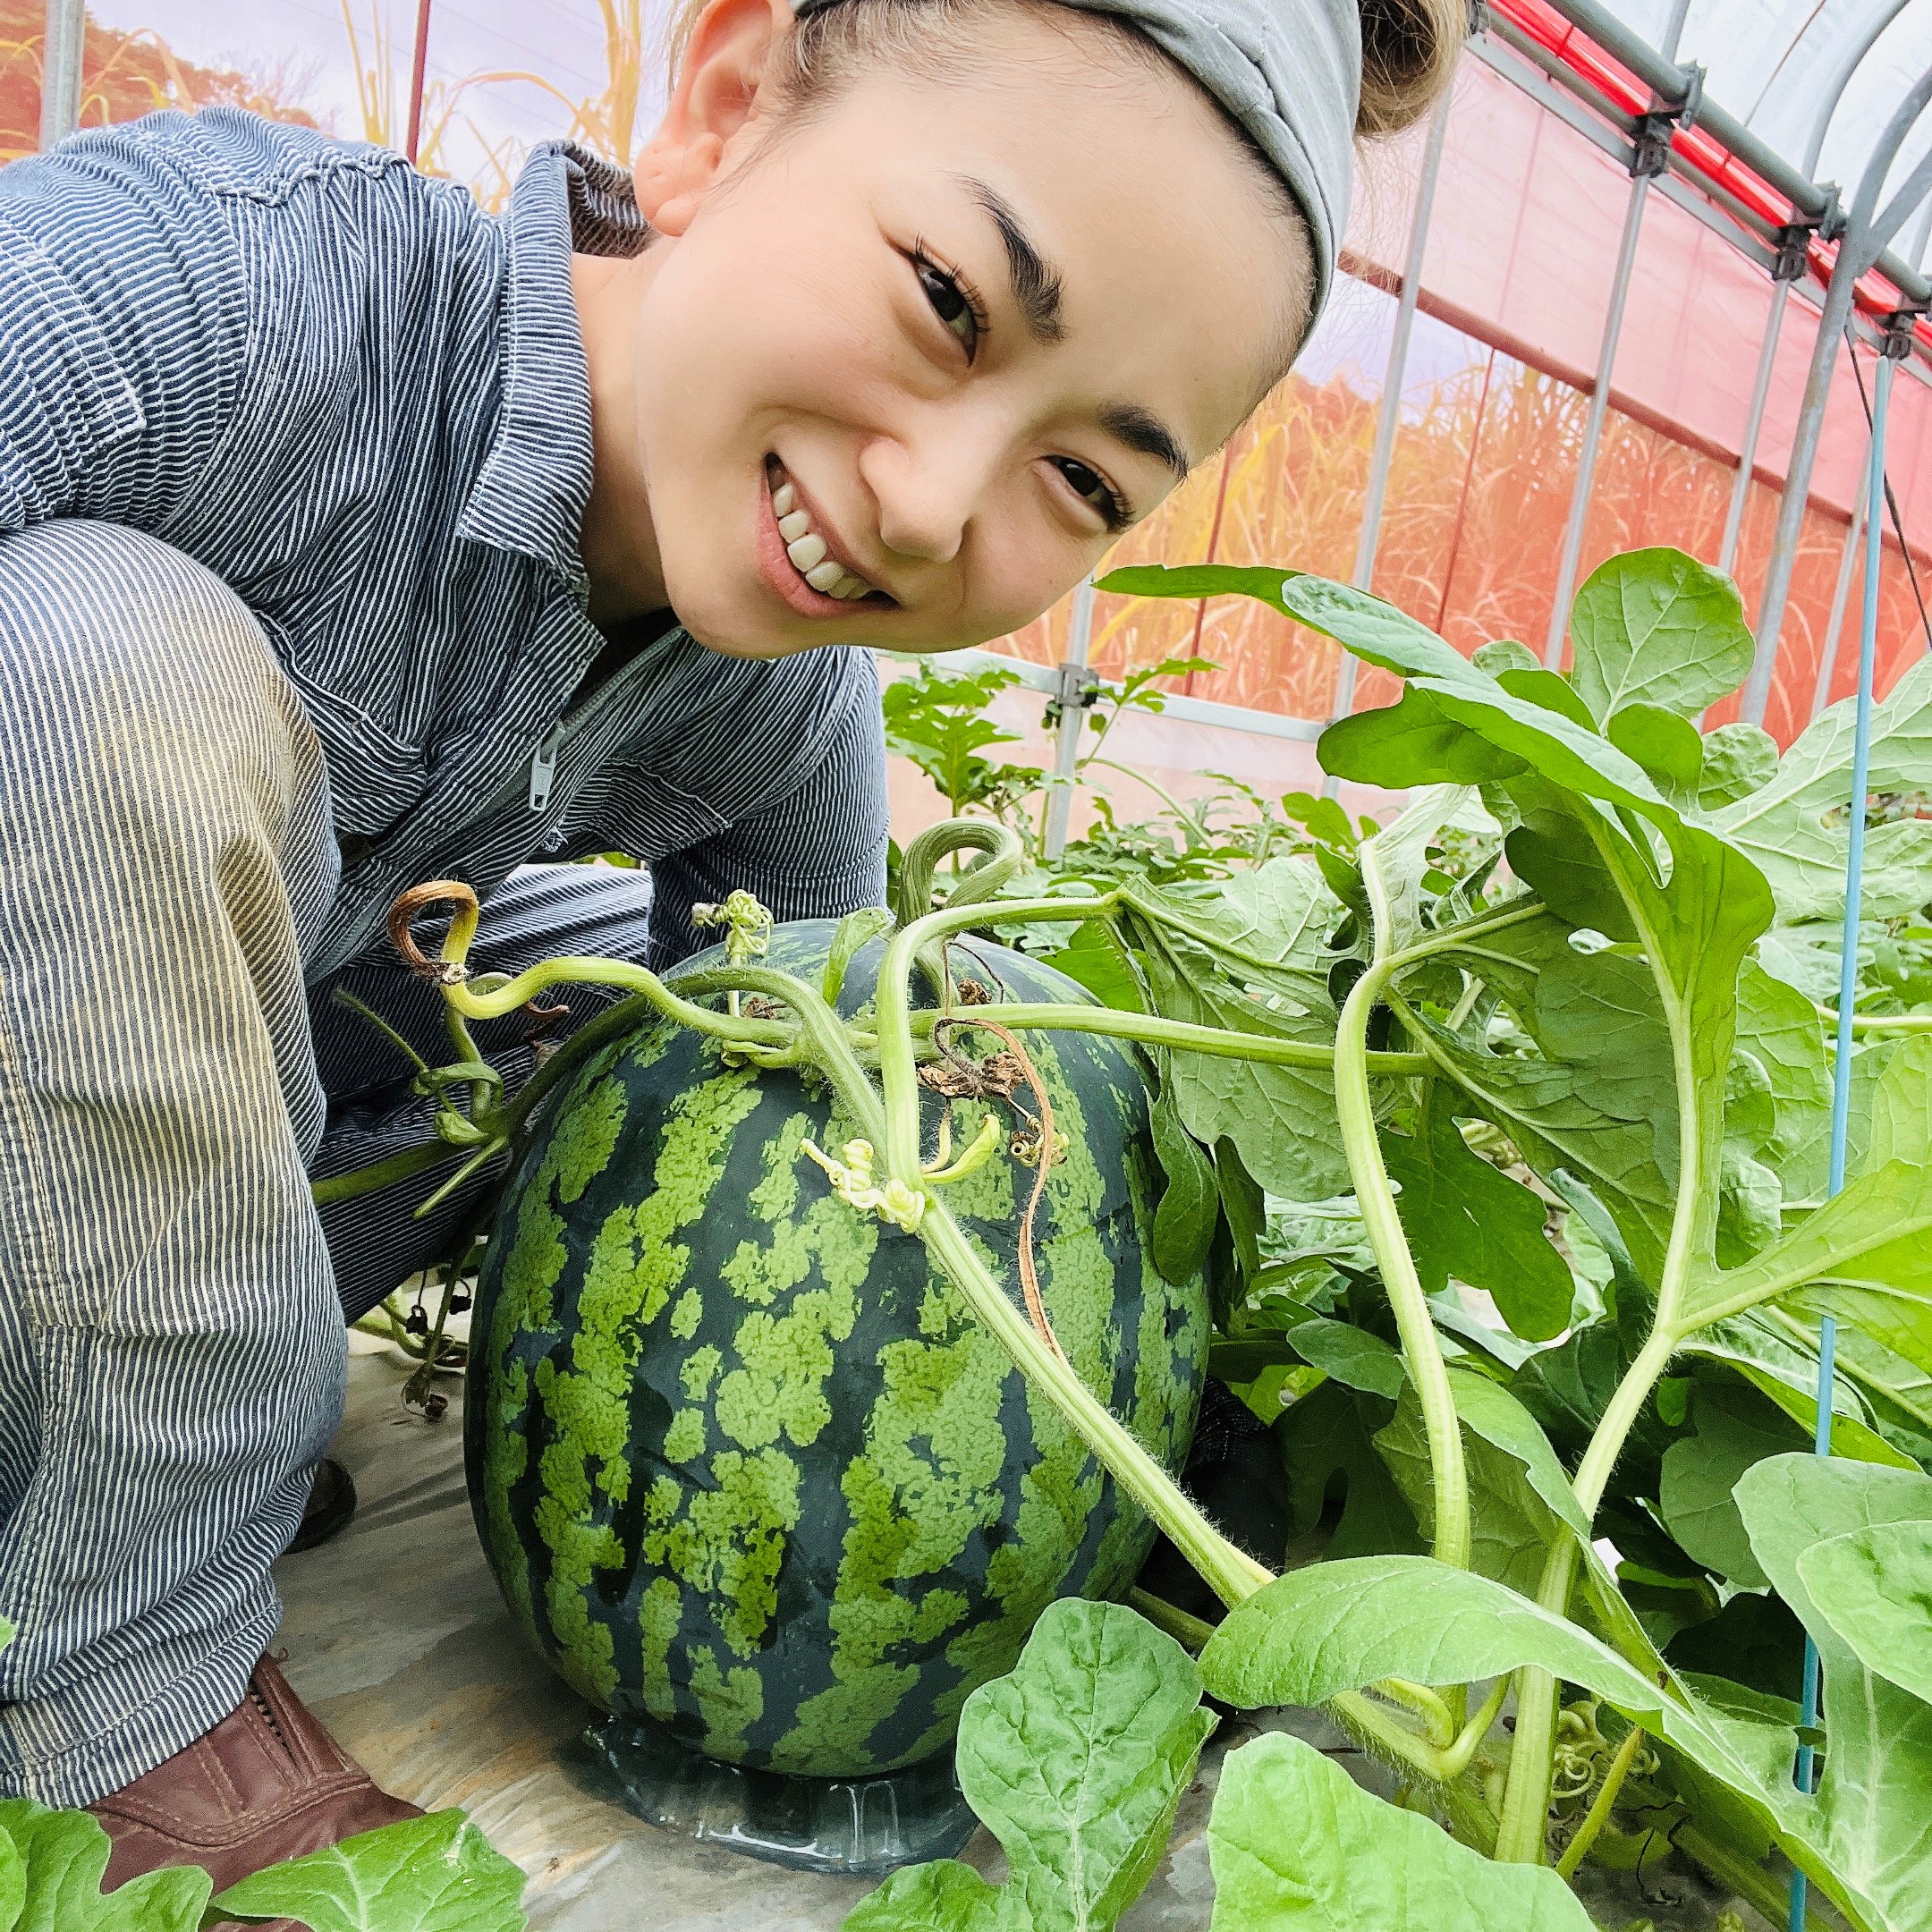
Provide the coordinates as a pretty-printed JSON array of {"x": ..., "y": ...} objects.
[
  {"x": 543, "y": 766},
  {"x": 543, "y": 761}
]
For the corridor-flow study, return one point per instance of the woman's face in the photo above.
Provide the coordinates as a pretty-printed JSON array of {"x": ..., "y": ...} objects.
[{"x": 913, "y": 360}]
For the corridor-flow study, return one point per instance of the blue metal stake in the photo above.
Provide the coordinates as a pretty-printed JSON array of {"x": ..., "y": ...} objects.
[{"x": 1847, "y": 994}]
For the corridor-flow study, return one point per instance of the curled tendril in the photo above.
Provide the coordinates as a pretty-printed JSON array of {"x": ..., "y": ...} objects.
[
  {"x": 748, "y": 925},
  {"x": 855, "y": 1184}
]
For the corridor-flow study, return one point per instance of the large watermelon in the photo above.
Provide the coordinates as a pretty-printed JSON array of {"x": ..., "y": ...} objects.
[{"x": 742, "y": 1460}]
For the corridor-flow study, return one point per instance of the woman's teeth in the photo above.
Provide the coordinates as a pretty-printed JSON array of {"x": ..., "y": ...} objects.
[{"x": 807, "y": 549}]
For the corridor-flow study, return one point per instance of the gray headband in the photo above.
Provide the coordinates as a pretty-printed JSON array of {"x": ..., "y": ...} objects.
[{"x": 1290, "y": 73}]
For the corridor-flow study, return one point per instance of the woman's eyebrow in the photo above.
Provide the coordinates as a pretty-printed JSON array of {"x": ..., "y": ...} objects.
[
  {"x": 1036, "y": 282},
  {"x": 1141, "y": 429}
]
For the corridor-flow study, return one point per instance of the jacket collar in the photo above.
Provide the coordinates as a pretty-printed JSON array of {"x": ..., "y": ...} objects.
[{"x": 530, "y": 492}]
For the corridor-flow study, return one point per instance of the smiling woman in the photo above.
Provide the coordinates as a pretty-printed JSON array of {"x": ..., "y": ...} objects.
[
  {"x": 944, "y": 295},
  {"x": 351, "y": 537}
]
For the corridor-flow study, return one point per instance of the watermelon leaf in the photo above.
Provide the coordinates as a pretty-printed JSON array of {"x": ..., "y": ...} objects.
[
  {"x": 1877, "y": 1585},
  {"x": 1184, "y": 1222},
  {"x": 1872, "y": 1816},
  {"x": 1794, "y": 825},
  {"x": 944, "y": 1896},
  {"x": 1657, "y": 627},
  {"x": 1464, "y": 1217},
  {"x": 1296, "y": 1845},
  {"x": 432, "y": 1874},
  {"x": 1076, "y": 1761},
  {"x": 58, "y": 1860},
  {"x": 1339, "y": 1626},
  {"x": 12, "y": 1883}
]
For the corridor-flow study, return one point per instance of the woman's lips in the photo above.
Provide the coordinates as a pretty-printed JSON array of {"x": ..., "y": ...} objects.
[{"x": 785, "y": 576}]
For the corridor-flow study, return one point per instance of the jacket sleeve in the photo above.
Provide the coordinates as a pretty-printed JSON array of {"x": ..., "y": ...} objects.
[
  {"x": 816, "y": 852},
  {"x": 124, "y": 305}
]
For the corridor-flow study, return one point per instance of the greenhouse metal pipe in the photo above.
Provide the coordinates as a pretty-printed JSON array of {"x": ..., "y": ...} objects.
[
  {"x": 1809, "y": 202},
  {"x": 1388, "y": 411},
  {"x": 1580, "y": 493},
  {"x": 1841, "y": 79},
  {"x": 1841, "y": 596},
  {"x": 1865, "y": 237},
  {"x": 1753, "y": 423},
  {"x": 1072, "y": 675},
  {"x": 1650, "y": 66},
  {"x": 60, "y": 62}
]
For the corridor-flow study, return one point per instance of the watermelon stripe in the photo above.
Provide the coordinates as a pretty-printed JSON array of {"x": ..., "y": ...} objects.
[{"x": 743, "y": 1461}]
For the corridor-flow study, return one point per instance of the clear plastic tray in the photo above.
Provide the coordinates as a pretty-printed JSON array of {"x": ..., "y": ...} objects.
[{"x": 859, "y": 1827}]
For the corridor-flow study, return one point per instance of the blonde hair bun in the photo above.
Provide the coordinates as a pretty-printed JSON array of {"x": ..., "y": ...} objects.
[{"x": 1409, "y": 57}]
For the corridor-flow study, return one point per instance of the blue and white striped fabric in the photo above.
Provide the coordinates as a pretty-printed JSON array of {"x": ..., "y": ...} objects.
[
  {"x": 294, "y": 446},
  {"x": 364, "y": 406}
]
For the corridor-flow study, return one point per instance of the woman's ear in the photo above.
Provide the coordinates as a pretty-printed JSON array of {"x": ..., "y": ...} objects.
[{"x": 714, "y": 102}]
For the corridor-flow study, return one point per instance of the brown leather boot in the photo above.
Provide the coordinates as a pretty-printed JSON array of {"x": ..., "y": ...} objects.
[{"x": 267, "y": 1784}]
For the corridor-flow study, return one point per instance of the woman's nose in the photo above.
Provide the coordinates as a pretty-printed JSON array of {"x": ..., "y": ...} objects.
[{"x": 928, "y": 491}]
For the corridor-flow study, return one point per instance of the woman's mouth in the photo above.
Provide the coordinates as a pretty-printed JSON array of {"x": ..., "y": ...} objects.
[{"x": 797, "y": 558}]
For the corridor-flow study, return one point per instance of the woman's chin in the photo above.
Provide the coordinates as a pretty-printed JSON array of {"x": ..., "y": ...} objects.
[{"x": 736, "y": 638}]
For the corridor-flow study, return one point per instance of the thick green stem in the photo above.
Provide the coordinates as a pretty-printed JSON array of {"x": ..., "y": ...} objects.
[
  {"x": 1522, "y": 1836},
  {"x": 1191, "y": 1632},
  {"x": 1223, "y": 1043},
  {"x": 1232, "y": 1573},
  {"x": 1375, "y": 1198},
  {"x": 1907, "y": 1022},
  {"x": 1620, "y": 1417},
  {"x": 382, "y": 1174}
]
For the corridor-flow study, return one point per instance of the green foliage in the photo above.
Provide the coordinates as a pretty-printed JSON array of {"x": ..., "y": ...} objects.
[
  {"x": 937, "y": 719},
  {"x": 1075, "y": 1761},
  {"x": 1866, "y": 1831},
  {"x": 1352, "y": 1863},
  {"x": 1655, "y": 627},
  {"x": 59, "y": 1858},
  {"x": 1466, "y": 1219},
  {"x": 432, "y": 1874}
]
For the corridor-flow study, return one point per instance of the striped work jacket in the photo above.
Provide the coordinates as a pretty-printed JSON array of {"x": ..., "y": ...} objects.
[{"x": 363, "y": 403}]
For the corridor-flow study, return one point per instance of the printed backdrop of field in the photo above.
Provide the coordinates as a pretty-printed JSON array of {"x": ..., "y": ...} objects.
[{"x": 1494, "y": 395}]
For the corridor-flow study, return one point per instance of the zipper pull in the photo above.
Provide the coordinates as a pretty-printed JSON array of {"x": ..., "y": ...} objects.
[{"x": 543, "y": 766}]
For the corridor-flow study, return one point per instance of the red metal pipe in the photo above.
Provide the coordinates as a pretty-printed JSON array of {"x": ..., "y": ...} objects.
[
  {"x": 1700, "y": 152},
  {"x": 417, "y": 66}
]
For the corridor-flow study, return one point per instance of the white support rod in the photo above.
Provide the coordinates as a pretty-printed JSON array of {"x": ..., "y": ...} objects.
[
  {"x": 1753, "y": 423},
  {"x": 1388, "y": 409},
  {"x": 1580, "y": 493},
  {"x": 1867, "y": 230},
  {"x": 1841, "y": 596},
  {"x": 60, "y": 69},
  {"x": 1185, "y": 711},
  {"x": 1073, "y": 721}
]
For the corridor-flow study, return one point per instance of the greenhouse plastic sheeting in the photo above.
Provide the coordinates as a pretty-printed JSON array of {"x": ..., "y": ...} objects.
[{"x": 396, "y": 1637}]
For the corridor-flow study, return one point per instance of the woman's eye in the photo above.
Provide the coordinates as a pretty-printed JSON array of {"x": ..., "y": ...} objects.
[
  {"x": 1092, "y": 487},
  {"x": 949, "y": 303}
]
